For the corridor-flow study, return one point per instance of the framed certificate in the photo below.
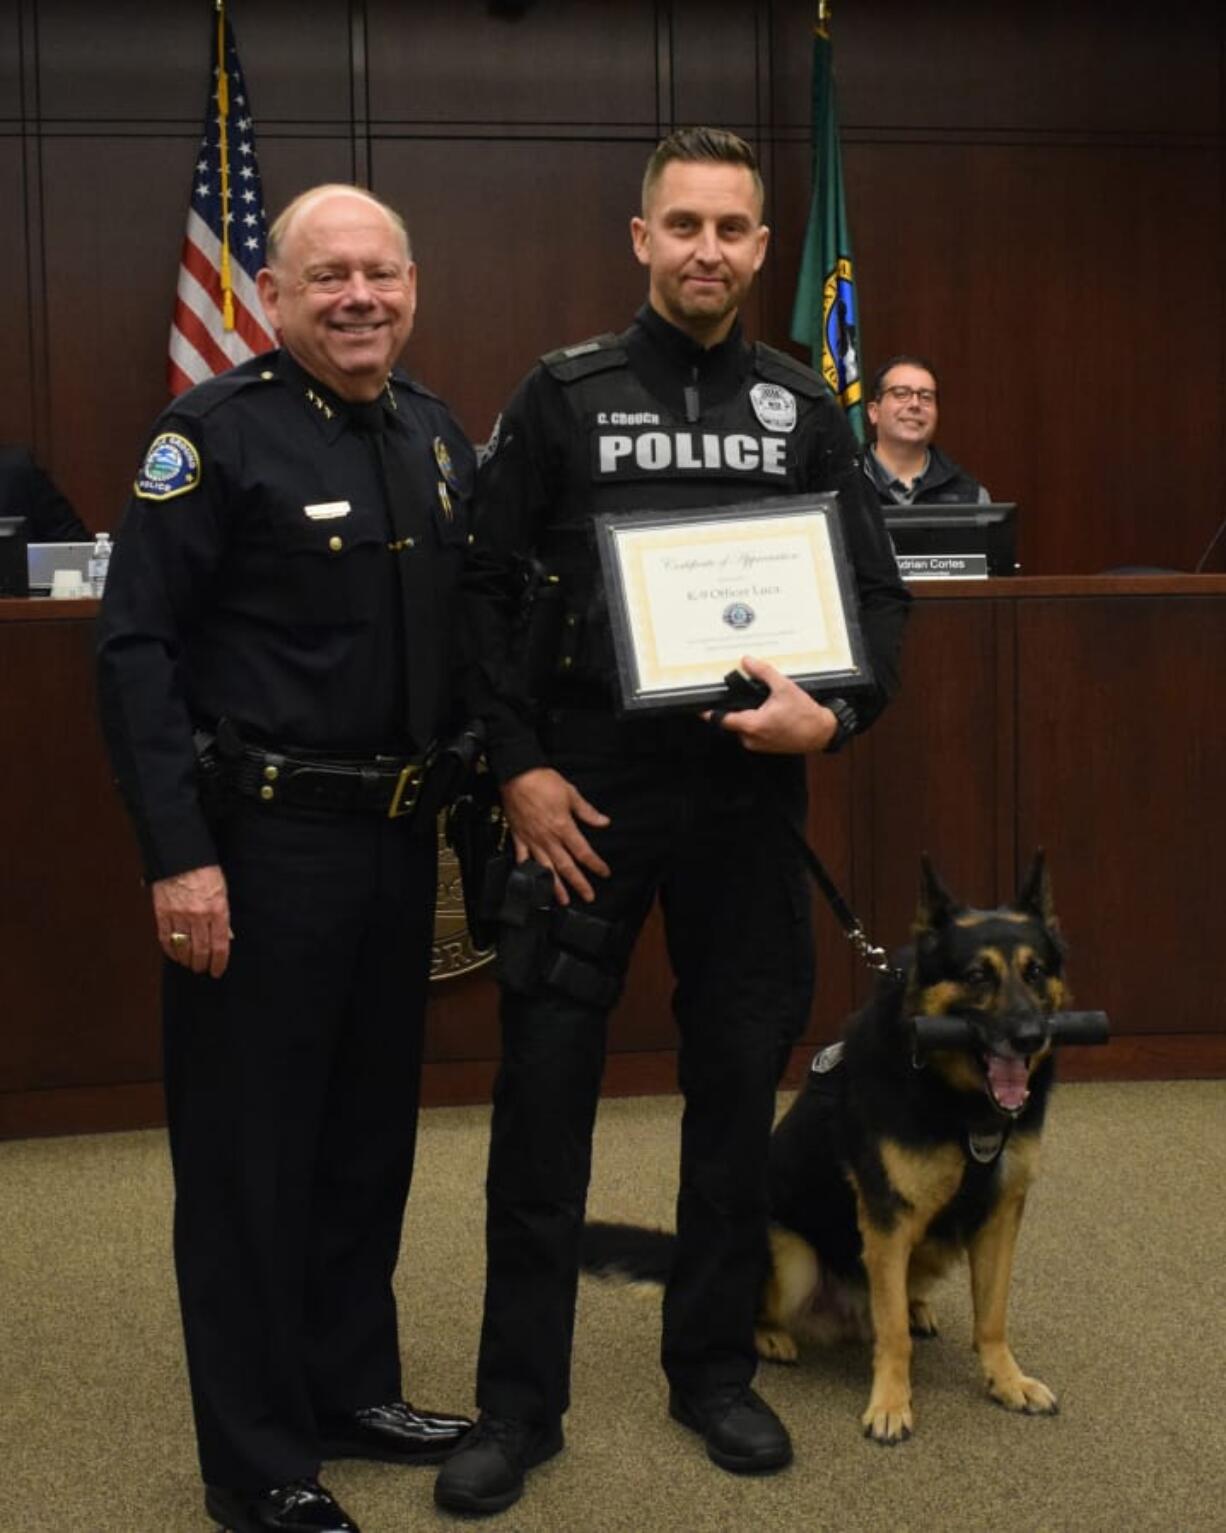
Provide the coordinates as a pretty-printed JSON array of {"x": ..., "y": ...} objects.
[{"x": 690, "y": 592}]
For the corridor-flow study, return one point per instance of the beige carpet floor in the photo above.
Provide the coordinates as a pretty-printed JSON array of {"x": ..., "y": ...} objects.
[{"x": 1119, "y": 1304}]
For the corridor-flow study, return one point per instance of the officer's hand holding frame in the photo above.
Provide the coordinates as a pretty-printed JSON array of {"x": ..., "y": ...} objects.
[{"x": 690, "y": 592}]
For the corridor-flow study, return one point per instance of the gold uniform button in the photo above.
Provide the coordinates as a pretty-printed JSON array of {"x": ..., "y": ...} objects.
[
  {"x": 271, "y": 774},
  {"x": 267, "y": 376},
  {"x": 266, "y": 792},
  {"x": 335, "y": 544}
]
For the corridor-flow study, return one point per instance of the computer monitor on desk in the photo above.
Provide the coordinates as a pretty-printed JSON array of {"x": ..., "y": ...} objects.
[
  {"x": 14, "y": 580},
  {"x": 44, "y": 560},
  {"x": 959, "y": 541}
]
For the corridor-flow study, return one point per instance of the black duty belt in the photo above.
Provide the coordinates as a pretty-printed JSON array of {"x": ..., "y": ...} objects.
[{"x": 387, "y": 785}]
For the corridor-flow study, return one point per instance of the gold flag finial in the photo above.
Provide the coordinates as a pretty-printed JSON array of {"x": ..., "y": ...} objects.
[{"x": 822, "y": 25}]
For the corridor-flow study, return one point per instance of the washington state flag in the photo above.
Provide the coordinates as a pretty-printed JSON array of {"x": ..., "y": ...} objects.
[{"x": 826, "y": 315}]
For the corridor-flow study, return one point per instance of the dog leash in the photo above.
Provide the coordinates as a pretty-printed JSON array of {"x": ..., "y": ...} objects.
[{"x": 873, "y": 957}]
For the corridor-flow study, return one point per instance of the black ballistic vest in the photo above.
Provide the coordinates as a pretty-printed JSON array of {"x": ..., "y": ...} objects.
[{"x": 629, "y": 452}]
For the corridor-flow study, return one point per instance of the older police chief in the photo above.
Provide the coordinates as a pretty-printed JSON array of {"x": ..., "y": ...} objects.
[{"x": 273, "y": 662}]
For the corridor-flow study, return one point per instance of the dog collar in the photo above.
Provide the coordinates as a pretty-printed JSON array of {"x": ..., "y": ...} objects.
[{"x": 985, "y": 1147}]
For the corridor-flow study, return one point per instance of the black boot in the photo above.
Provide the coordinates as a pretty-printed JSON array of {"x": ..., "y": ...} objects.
[
  {"x": 486, "y": 1472},
  {"x": 740, "y": 1430}
]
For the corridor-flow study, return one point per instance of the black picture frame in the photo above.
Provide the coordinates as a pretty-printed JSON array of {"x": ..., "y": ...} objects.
[{"x": 788, "y": 523}]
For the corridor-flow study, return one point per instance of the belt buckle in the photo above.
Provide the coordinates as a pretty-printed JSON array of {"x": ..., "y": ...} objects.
[{"x": 408, "y": 786}]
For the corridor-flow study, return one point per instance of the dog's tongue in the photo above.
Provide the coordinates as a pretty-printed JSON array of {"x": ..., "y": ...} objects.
[{"x": 1007, "y": 1079}]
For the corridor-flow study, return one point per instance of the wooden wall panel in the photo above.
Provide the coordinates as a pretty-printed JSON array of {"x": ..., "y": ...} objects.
[
  {"x": 1036, "y": 205},
  {"x": 504, "y": 274},
  {"x": 80, "y": 971},
  {"x": 88, "y": 67},
  {"x": 1028, "y": 69},
  {"x": 106, "y": 357},
  {"x": 1031, "y": 716},
  {"x": 1040, "y": 213},
  {"x": 16, "y": 395},
  {"x": 1132, "y": 820},
  {"x": 288, "y": 165},
  {"x": 147, "y": 64},
  {"x": 297, "y": 61},
  {"x": 719, "y": 74},
  {"x": 933, "y": 773},
  {"x": 1048, "y": 328},
  {"x": 10, "y": 69},
  {"x": 573, "y": 66}
]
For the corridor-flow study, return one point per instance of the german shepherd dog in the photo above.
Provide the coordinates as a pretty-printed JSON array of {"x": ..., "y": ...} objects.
[{"x": 891, "y": 1163}]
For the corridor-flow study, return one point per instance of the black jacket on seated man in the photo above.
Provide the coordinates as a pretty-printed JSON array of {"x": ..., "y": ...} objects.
[
  {"x": 26, "y": 491},
  {"x": 943, "y": 482}
]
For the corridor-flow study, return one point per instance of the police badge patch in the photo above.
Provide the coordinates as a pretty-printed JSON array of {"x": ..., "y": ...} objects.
[
  {"x": 774, "y": 406},
  {"x": 171, "y": 467},
  {"x": 443, "y": 458}
]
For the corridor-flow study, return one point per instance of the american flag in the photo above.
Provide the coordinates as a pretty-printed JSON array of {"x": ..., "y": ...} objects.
[{"x": 218, "y": 320}]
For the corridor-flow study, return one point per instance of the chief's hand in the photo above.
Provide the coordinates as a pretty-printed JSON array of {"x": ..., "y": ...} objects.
[
  {"x": 545, "y": 812},
  {"x": 789, "y": 722},
  {"x": 194, "y": 906}
]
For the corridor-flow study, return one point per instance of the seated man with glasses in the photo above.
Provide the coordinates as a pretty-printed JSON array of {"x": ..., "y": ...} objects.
[{"x": 902, "y": 464}]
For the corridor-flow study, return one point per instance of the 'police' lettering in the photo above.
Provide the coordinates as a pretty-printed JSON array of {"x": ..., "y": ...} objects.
[
  {"x": 612, "y": 449},
  {"x": 676, "y": 454}
]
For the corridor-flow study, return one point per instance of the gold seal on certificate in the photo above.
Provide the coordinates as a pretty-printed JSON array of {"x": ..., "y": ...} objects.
[{"x": 690, "y": 592}]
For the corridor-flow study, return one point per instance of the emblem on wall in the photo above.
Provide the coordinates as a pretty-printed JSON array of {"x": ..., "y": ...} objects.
[{"x": 453, "y": 952}]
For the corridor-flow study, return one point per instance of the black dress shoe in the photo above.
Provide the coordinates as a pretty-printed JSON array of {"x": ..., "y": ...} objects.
[
  {"x": 740, "y": 1430},
  {"x": 303, "y": 1507},
  {"x": 486, "y": 1472},
  {"x": 394, "y": 1434}
]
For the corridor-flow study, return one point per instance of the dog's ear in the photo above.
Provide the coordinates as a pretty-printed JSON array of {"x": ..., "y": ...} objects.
[
  {"x": 936, "y": 904},
  {"x": 1034, "y": 896}
]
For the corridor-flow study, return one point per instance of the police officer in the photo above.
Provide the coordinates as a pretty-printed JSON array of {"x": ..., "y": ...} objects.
[
  {"x": 678, "y": 411},
  {"x": 273, "y": 671}
]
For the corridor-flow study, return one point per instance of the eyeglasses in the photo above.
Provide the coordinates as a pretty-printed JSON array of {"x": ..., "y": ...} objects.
[{"x": 902, "y": 394}]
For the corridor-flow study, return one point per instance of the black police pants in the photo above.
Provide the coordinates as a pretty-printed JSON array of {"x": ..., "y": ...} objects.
[
  {"x": 292, "y": 1088},
  {"x": 699, "y": 822}
]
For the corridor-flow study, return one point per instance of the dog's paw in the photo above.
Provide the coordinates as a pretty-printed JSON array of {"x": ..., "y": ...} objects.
[
  {"x": 775, "y": 1344},
  {"x": 1024, "y": 1394},
  {"x": 923, "y": 1320},
  {"x": 887, "y": 1422}
]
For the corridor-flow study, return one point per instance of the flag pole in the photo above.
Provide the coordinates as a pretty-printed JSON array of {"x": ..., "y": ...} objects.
[{"x": 223, "y": 129}]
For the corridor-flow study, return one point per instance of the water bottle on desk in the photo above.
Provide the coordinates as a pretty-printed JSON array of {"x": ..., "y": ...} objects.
[{"x": 98, "y": 562}]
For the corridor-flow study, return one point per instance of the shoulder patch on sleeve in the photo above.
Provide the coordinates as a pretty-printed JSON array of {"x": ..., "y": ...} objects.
[
  {"x": 486, "y": 450},
  {"x": 570, "y": 363},
  {"x": 171, "y": 467},
  {"x": 779, "y": 367}
]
